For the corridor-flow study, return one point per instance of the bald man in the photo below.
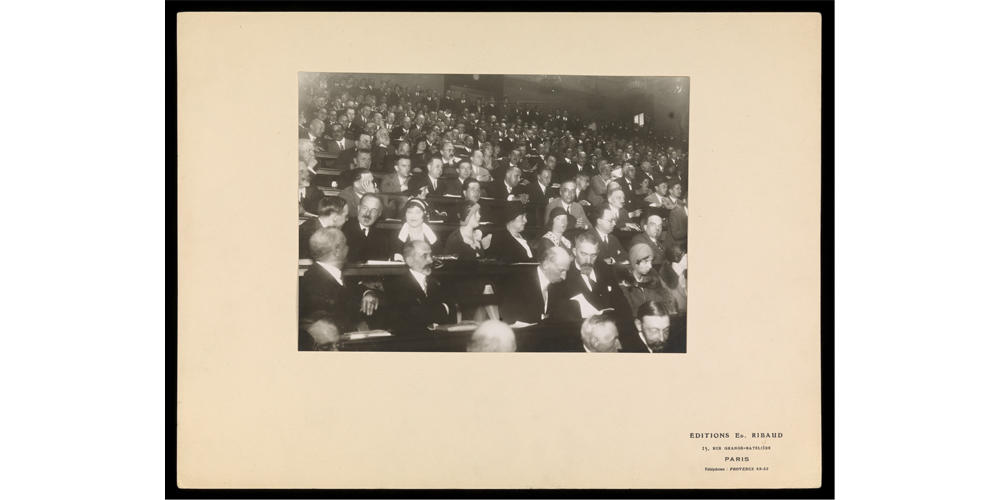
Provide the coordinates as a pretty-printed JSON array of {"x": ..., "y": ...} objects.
[
  {"x": 525, "y": 296},
  {"x": 599, "y": 334},
  {"x": 492, "y": 336},
  {"x": 324, "y": 287}
]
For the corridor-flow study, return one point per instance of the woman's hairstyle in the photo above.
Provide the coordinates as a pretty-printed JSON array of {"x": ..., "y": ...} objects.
[
  {"x": 556, "y": 212},
  {"x": 415, "y": 202}
]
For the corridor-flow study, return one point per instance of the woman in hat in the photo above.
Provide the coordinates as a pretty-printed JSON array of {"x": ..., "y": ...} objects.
[
  {"x": 640, "y": 284},
  {"x": 559, "y": 221},
  {"x": 467, "y": 241},
  {"x": 508, "y": 244},
  {"x": 414, "y": 228}
]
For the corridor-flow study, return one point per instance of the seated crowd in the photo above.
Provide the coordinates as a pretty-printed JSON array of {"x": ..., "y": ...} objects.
[{"x": 595, "y": 216}]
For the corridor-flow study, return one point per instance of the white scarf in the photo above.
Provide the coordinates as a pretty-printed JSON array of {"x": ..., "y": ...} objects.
[{"x": 429, "y": 235}]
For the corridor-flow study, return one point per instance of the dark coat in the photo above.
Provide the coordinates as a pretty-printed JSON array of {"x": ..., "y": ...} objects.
[
  {"x": 361, "y": 248},
  {"x": 413, "y": 310},
  {"x": 521, "y": 297},
  {"x": 505, "y": 248},
  {"x": 612, "y": 249},
  {"x": 319, "y": 291}
]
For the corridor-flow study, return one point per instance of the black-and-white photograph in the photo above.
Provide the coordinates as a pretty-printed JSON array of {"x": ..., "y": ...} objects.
[{"x": 493, "y": 213}]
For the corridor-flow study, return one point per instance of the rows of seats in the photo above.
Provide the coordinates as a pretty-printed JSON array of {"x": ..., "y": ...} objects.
[{"x": 427, "y": 216}]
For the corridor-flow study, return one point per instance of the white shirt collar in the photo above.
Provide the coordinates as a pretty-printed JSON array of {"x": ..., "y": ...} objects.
[
  {"x": 336, "y": 273},
  {"x": 421, "y": 279},
  {"x": 642, "y": 337},
  {"x": 542, "y": 280}
]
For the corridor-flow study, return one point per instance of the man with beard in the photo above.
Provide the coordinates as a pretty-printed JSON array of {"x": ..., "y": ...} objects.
[
  {"x": 366, "y": 242},
  {"x": 654, "y": 326},
  {"x": 595, "y": 282}
]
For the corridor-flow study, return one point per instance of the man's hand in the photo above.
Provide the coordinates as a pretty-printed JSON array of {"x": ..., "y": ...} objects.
[
  {"x": 523, "y": 197},
  {"x": 368, "y": 186},
  {"x": 486, "y": 241},
  {"x": 369, "y": 304},
  {"x": 632, "y": 226}
]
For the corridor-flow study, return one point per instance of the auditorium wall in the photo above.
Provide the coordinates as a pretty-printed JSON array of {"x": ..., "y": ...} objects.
[{"x": 407, "y": 80}]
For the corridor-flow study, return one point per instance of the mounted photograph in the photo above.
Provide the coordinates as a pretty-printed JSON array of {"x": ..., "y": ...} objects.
[{"x": 492, "y": 213}]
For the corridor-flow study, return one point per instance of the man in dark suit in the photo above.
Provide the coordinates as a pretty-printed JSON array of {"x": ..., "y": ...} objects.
[
  {"x": 416, "y": 298},
  {"x": 338, "y": 144},
  {"x": 364, "y": 240},
  {"x": 454, "y": 186},
  {"x": 435, "y": 185},
  {"x": 657, "y": 332},
  {"x": 402, "y": 132},
  {"x": 507, "y": 188},
  {"x": 541, "y": 190},
  {"x": 526, "y": 296},
  {"x": 590, "y": 277},
  {"x": 595, "y": 281},
  {"x": 331, "y": 211},
  {"x": 325, "y": 288},
  {"x": 609, "y": 248},
  {"x": 652, "y": 228},
  {"x": 314, "y": 133},
  {"x": 398, "y": 183}
]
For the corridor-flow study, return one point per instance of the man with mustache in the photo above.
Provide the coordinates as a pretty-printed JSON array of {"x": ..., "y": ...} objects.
[
  {"x": 364, "y": 240},
  {"x": 654, "y": 326},
  {"x": 416, "y": 298}
]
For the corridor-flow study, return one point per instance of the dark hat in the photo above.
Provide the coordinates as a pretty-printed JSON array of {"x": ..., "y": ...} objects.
[
  {"x": 556, "y": 212},
  {"x": 513, "y": 210}
]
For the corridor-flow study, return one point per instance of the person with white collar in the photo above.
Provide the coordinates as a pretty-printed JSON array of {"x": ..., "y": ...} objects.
[
  {"x": 323, "y": 287},
  {"x": 417, "y": 299},
  {"x": 414, "y": 228}
]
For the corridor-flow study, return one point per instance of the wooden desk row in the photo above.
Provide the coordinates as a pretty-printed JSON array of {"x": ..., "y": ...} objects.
[{"x": 447, "y": 267}]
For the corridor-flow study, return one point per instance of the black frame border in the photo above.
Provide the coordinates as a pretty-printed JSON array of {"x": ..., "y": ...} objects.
[{"x": 824, "y": 8}]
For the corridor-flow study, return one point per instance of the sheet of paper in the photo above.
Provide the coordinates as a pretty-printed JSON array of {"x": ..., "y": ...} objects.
[{"x": 586, "y": 308}]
